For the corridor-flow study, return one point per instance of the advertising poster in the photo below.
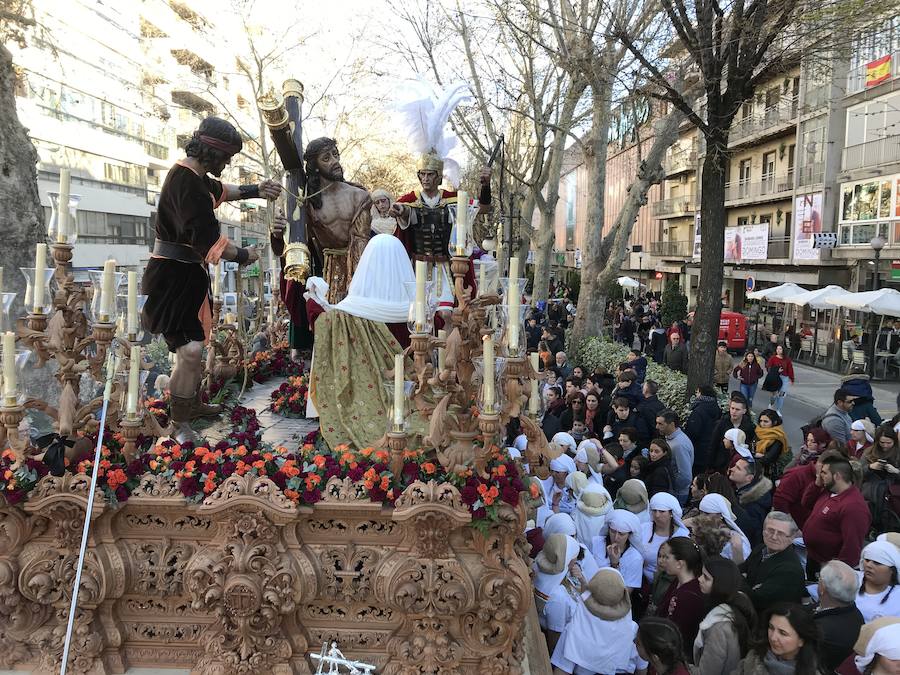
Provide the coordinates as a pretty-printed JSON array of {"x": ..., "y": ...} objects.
[
  {"x": 747, "y": 242},
  {"x": 808, "y": 221},
  {"x": 697, "y": 236}
]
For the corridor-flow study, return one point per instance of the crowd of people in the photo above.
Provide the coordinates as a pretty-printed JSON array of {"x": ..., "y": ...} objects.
[{"x": 708, "y": 544}]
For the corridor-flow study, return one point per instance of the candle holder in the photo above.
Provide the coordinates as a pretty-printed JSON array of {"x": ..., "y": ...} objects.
[
  {"x": 122, "y": 312},
  {"x": 102, "y": 335},
  {"x": 65, "y": 281},
  {"x": 397, "y": 443},
  {"x": 459, "y": 265},
  {"x": 71, "y": 234},
  {"x": 478, "y": 380},
  {"x": 516, "y": 394},
  {"x": 514, "y": 338},
  {"x": 11, "y": 417},
  {"x": 101, "y": 309},
  {"x": 426, "y": 326},
  {"x": 216, "y": 311},
  {"x": 6, "y": 301},
  {"x": 489, "y": 425},
  {"x": 38, "y": 305}
]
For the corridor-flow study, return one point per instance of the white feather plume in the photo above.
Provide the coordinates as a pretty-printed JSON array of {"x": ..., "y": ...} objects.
[{"x": 424, "y": 111}]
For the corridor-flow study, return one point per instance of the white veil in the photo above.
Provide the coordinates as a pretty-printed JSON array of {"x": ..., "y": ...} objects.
[{"x": 377, "y": 291}]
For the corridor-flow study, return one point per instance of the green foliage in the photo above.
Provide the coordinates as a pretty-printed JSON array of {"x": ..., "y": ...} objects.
[
  {"x": 674, "y": 303},
  {"x": 593, "y": 352},
  {"x": 613, "y": 291},
  {"x": 158, "y": 352}
]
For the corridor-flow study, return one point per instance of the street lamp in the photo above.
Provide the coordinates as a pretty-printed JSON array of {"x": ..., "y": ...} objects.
[{"x": 877, "y": 243}]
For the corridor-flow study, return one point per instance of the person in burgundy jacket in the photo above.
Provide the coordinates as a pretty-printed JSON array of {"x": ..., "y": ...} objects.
[
  {"x": 839, "y": 518},
  {"x": 788, "y": 496}
]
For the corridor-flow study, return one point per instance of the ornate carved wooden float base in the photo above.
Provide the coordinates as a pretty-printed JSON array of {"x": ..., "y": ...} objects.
[{"x": 247, "y": 582}]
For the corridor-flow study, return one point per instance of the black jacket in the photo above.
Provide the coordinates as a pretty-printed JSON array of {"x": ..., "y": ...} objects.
[
  {"x": 658, "y": 476},
  {"x": 756, "y": 500},
  {"x": 778, "y": 578},
  {"x": 719, "y": 455},
  {"x": 699, "y": 427},
  {"x": 647, "y": 411},
  {"x": 612, "y": 420},
  {"x": 550, "y": 425},
  {"x": 839, "y": 630}
]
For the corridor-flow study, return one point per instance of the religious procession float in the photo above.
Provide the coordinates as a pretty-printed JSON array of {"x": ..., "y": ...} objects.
[{"x": 121, "y": 547}]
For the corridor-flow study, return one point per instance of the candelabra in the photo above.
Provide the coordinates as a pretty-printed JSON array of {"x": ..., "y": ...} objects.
[{"x": 466, "y": 376}]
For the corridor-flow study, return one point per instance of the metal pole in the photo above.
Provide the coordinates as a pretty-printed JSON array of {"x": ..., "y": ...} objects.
[
  {"x": 873, "y": 332},
  {"x": 70, "y": 624}
]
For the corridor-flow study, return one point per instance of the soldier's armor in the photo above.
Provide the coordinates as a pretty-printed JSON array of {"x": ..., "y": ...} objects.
[{"x": 431, "y": 233}]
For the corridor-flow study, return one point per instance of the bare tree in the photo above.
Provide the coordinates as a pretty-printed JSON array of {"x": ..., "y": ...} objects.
[{"x": 734, "y": 46}]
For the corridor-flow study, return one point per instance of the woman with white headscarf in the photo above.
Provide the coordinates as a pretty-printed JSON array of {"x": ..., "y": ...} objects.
[
  {"x": 619, "y": 546},
  {"x": 557, "y": 497},
  {"x": 878, "y": 648},
  {"x": 736, "y": 440},
  {"x": 879, "y": 590},
  {"x": 716, "y": 504},
  {"x": 562, "y": 523},
  {"x": 665, "y": 514},
  {"x": 355, "y": 346},
  {"x": 553, "y": 599},
  {"x": 600, "y": 636},
  {"x": 590, "y": 513},
  {"x": 594, "y": 461}
]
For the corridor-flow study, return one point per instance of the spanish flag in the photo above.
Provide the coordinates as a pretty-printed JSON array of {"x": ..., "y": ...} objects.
[{"x": 878, "y": 71}]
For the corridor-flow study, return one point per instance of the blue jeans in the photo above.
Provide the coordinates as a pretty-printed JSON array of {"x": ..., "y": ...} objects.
[
  {"x": 749, "y": 391},
  {"x": 777, "y": 399}
]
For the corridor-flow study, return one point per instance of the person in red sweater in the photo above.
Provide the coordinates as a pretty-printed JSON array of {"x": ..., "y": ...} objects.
[
  {"x": 839, "y": 517},
  {"x": 783, "y": 365},
  {"x": 788, "y": 497}
]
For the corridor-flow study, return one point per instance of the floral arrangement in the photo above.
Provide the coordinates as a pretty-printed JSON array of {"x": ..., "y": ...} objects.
[
  {"x": 275, "y": 362},
  {"x": 289, "y": 399},
  {"x": 116, "y": 476},
  {"x": 302, "y": 474}
]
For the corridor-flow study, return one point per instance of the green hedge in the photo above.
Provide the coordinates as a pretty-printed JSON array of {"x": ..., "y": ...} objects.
[{"x": 593, "y": 352}]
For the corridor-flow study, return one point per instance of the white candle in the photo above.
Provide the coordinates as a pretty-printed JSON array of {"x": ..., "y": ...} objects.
[
  {"x": 1, "y": 281},
  {"x": 534, "y": 399},
  {"x": 398, "y": 390},
  {"x": 62, "y": 216},
  {"x": 462, "y": 220},
  {"x": 108, "y": 292},
  {"x": 40, "y": 268},
  {"x": 488, "y": 373},
  {"x": 513, "y": 302},
  {"x": 421, "y": 273},
  {"x": 442, "y": 352},
  {"x": 9, "y": 368},
  {"x": 132, "y": 304},
  {"x": 217, "y": 281},
  {"x": 133, "y": 381},
  {"x": 482, "y": 275},
  {"x": 229, "y": 318}
]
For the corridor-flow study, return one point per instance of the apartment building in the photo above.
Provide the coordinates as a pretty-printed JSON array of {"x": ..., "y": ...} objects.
[
  {"x": 623, "y": 159},
  {"x": 113, "y": 92}
]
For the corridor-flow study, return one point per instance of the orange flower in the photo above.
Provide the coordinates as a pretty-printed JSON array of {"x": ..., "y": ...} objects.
[
  {"x": 500, "y": 470},
  {"x": 176, "y": 452},
  {"x": 410, "y": 454},
  {"x": 7, "y": 474},
  {"x": 382, "y": 456},
  {"x": 104, "y": 464},
  {"x": 241, "y": 468},
  {"x": 153, "y": 464},
  {"x": 293, "y": 495},
  {"x": 201, "y": 451},
  {"x": 319, "y": 461},
  {"x": 365, "y": 452},
  {"x": 385, "y": 483},
  {"x": 371, "y": 474},
  {"x": 534, "y": 489},
  {"x": 189, "y": 465},
  {"x": 313, "y": 479},
  {"x": 346, "y": 458},
  {"x": 259, "y": 464},
  {"x": 429, "y": 467},
  {"x": 268, "y": 456},
  {"x": 8, "y": 454},
  {"x": 209, "y": 486}
]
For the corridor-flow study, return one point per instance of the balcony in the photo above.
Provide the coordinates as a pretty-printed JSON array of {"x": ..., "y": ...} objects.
[
  {"x": 871, "y": 154},
  {"x": 770, "y": 188},
  {"x": 779, "y": 248},
  {"x": 675, "y": 207},
  {"x": 680, "y": 161},
  {"x": 772, "y": 120},
  {"x": 672, "y": 249},
  {"x": 814, "y": 174},
  {"x": 856, "y": 78}
]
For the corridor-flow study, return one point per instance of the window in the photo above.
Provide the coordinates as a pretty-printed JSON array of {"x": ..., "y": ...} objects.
[
  {"x": 96, "y": 227},
  {"x": 860, "y": 234},
  {"x": 873, "y": 120},
  {"x": 866, "y": 201},
  {"x": 743, "y": 220},
  {"x": 880, "y": 41}
]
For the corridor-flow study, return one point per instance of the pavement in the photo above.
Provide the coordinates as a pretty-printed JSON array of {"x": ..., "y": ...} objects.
[{"x": 811, "y": 395}]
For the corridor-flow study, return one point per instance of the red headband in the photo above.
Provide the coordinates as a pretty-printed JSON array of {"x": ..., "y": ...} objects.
[{"x": 219, "y": 144}]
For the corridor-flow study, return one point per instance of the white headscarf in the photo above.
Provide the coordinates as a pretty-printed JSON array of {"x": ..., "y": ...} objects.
[
  {"x": 546, "y": 582},
  {"x": 716, "y": 503},
  {"x": 317, "y": 291},
  {"x": 882, "y": 552},
  {"x": 377, "y": 291},
  {"x": 885, "y": 641},
  {"x": 563, "y": 463},
  {"x": 739, "y": 439},
  {"x": 663, "y": 501},
  {"x": 565, "y": 440},
  {"x": 591, "y": 520},
  {"x": 625, "y": 521},
  {"x": 559, "y": 523},
  {"x": 521, "y": 443}
]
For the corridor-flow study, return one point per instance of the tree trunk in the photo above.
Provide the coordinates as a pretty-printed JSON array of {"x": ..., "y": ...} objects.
[
  {"x": 650, "y": 173},
  {"x": 543, "y": 239},
  {"x": 21, "y": 215},
  {"x": 705, "y": 329},
  {"x": 588, "y": 319}
]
